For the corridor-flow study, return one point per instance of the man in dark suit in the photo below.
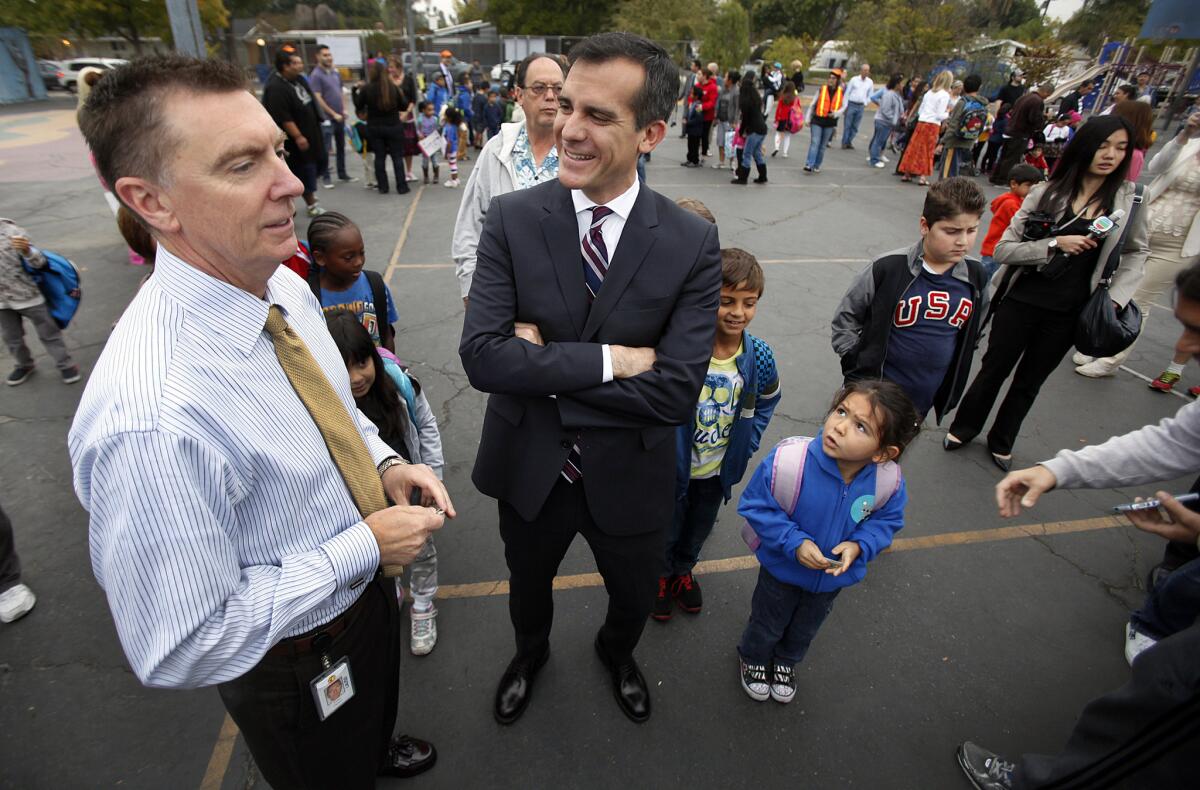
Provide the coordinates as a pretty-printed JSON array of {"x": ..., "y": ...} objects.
[{"x": 590, "y": 321}]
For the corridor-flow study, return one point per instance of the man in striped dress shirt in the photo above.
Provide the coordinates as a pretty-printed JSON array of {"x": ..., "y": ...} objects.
[{"x": 230, "y": 548}]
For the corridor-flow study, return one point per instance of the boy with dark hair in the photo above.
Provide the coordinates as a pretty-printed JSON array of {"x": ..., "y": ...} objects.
[
  {"x": 914, "y": 314},
  {"x": 1020, "y": 180},
  {"x": 967, "y": 120},
  {"x": 740, "y": 393}
]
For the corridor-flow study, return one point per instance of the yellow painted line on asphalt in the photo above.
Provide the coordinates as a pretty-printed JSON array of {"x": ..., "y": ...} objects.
[
  {"x": 393, "y": 264},
  {"x": 218, "y": 764}
]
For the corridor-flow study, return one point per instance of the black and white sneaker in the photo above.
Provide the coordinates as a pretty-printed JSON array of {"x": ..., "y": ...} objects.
[
  {"x": 754, "y": 680},
  {"x": 783, "y": 684},
  {"x": 20, "y": 374},
  {"x": 986, "y": 770}
]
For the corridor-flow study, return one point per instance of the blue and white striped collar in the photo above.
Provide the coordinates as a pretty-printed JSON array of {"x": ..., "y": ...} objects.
[{"x": 231, "y": 312}]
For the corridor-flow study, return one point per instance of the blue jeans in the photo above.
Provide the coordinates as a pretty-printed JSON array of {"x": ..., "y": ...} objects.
[
  {"x": 879, "y": 140},
  {"x": 753, "y": 150},
  {"x": 1173, "y": 605},
  {"x": 335, "y": 133},
  {"x": 816, "y": 149},
  {"x": 854, "y": 114},
  {"x": 783, "y": 621},
  {"x": 695, "y": 517}
]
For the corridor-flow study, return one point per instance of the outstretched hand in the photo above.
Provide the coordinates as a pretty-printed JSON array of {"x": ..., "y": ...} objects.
[{"x": 1022, "y": 488}]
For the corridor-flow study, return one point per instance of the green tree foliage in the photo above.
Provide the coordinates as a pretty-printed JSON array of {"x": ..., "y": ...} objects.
[
  {"x": 666, "y": 20},
  {"x": 468, "y": 10},
  {"x": 132, "y": 20},
  {"x": 904, "y": 35},
  {"x": 785, "y": 49},
  {"x": 547, "y": 17},
  {"x": 819, "y": 19},
  {"x": 727, "y": 41},
  {"x": 1099, "y": 19}
]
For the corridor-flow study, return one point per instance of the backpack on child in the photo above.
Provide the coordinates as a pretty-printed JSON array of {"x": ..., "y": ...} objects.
[
  {"x": 796, "y": 117},
  {"x": 787, "y": 476},
  {"x": 60, "y": 284},
  {"x": 974, "y": 119},
  {"x": 374, "y": 280}
]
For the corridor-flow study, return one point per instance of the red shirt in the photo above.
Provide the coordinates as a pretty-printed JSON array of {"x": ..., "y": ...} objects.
[
  {"x": 301, "y": 261},
  {"x": 784, "y": 109},
  {"x": 709, "y": 103},
  {"x": 1003, "y": 209}
]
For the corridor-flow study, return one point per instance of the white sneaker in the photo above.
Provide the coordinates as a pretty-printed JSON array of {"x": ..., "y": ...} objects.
[
  {"x": 884, "y": 159},
  {"x": 1135, "y": 643},
  {"x": 785, "y": 156},
  {"x": 15, "y": 603},
  {"x": 1096, "y": 369},
  {"x": 451, "y": 183},
  {"x": 424, "y": 631},
  {"x": 783, "y": 684},
  {"x": 410, "y": 177},
  {"x": 315, "y": 210},
  {"x": 879, "y": 164},
  {"x": 1082, "y": 359}
]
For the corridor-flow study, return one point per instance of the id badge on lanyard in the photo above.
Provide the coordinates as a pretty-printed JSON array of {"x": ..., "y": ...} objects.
[{"x": 334, "y": 686}]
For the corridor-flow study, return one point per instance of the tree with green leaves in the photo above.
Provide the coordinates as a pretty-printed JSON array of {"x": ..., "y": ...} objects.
[
  {"x": 132, "y": 20},
  {"x": 820, "y": 19},
  {"x": 785, "y": 49},
  {"x": 905, "y": 35},
  {"x": 469, "y": 10},
  {"x": 666, "y": 20},
  {"x": 727, "y": 41},
  {"x": 547, "y": 17},
  {"x": 1100, "y": 19}
]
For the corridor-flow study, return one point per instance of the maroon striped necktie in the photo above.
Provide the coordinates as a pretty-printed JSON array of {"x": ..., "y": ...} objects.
[{"x": 595, "y": 267}]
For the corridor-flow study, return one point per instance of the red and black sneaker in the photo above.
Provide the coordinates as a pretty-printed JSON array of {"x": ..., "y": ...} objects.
[
  {"x": 687, "y": 592},
  {"x": 1194, "y": 391},
  {"x": 662, "y": 604}
]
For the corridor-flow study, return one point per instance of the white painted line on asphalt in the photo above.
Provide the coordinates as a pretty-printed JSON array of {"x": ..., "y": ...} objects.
[{"x": 1147, "y": 379}]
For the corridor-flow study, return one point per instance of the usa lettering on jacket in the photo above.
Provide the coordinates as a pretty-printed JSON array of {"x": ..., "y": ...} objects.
[{"x": 937, "y": 308}]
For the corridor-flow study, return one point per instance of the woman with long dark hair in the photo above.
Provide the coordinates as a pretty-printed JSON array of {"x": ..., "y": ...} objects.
[
  {"x": 1141, "y": 120},
  {"x": 1046, "y": 281},
  {"x": 753, "y": 129},
  {"x": 382, "y": 101}
]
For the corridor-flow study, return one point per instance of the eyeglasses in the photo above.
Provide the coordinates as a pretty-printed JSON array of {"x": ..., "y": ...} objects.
[{"x": 539, "y": 89}]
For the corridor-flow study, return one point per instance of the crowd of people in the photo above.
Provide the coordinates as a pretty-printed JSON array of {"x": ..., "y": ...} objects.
[{"x": 263, "y": 472}]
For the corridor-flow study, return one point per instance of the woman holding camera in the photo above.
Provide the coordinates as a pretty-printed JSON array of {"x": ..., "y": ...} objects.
[{"x": 1051, "y": 266}]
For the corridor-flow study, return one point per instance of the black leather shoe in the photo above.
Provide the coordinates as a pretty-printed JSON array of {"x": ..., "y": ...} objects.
[
  {"x": 516, "y": 687},
  {"x": 408, "y": 756},
  {"x": 629, "y": 687}
]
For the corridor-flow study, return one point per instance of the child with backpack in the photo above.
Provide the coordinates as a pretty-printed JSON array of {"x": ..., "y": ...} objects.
[
  {"x": 913, "y": 315},
  {"x": 788, "y": 118},
  {"x": 967, "y": 121},
  {"x": 740, "y": 393},
  {"x": 452, "y": 134},
  {"x": 392, "y": 399},
  {"x": 22, "y": 265},
  {"x": 339, "y": 281},
  {"x": 427, "y": 124},
  {"x": 817, "y": 511}
]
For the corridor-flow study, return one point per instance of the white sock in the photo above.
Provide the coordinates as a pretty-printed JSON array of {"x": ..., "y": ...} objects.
[
  {"x": 1176, "y": 368},
  {"x": 419, "y": 605}
]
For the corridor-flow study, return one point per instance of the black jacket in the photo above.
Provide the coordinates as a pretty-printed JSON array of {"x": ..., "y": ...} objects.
[
  {"x": 750, "y": 104},
  {"x": 863, "y": 321},
  {"x": 662, "y": 291}
]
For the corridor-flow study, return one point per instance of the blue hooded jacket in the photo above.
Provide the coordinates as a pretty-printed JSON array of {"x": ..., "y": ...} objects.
[
  {"x": 760, "y": 396},
  {"x": 462, "y": 100},
  {"x": 828, "y": 512}
]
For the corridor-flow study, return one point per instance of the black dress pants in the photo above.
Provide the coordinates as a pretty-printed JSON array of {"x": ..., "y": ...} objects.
[
  {"x": 1012, "y": 154},
  {"x": 273, "y": 705},
  {"x": 693, "y": 149},
  {"x": 1031, "y": 339},
  {"x": 1145, "y": 734},
  {"x": 704, "y": 138},
  {"x": 629, "y": 564},
  {"x": 388, "y": 141}
]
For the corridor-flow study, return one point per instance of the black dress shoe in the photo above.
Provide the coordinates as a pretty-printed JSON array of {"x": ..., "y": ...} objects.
[
  {"x": 516, "y": 687},
  {"x": 950, "y": 445},
  {"x": 408, "y": 756},
  {"x": 629, "y": 687},
  {"x": 1005, "y": 464}
]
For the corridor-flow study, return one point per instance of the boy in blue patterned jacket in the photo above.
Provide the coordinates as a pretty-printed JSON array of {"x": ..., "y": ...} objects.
[{"x": 740, "y": 393}]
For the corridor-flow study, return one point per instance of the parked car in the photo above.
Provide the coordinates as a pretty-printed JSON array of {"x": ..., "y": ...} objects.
[
  {"x": 49, "y": 70},
  {"x": 503, "y": 73},
  {"x": 68, "y": 73}
]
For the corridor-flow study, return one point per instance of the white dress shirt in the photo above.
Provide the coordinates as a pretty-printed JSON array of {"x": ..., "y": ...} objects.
[
  {"x": 858, "y": 89},
  {"x": 219, "y": 523},
  {"x": 610, "y": 231}
]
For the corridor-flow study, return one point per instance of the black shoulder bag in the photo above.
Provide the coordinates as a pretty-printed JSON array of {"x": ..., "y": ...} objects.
[{"x": 1103, "y": 329}]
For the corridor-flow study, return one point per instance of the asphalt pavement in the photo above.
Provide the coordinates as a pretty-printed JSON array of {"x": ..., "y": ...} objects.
[{"x": 970, "y": 629}]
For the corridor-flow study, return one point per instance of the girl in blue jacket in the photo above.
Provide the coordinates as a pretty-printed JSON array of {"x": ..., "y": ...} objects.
[{"x": 822, "y": 540}]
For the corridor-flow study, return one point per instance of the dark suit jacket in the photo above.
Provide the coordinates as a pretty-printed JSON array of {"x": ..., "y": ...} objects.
[{"x": 661, "y": 291}]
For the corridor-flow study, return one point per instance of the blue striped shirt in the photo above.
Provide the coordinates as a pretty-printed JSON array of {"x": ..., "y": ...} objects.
[{"x": 219, "y": 523}]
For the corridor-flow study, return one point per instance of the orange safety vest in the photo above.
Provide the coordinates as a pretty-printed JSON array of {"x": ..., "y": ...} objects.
[{"x": 823, "y": 109}]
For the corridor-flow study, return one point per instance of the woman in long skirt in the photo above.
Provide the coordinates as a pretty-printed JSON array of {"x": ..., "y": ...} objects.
[{"x": 935, "y": 108}]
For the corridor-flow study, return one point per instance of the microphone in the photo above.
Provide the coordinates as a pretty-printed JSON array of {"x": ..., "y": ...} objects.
[{"x": 1102, "y": 226}]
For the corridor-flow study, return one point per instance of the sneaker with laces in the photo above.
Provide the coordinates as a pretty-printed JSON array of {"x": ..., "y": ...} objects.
[
  {"x": 315, "y": 210},
  {"x": 754, "y": 681},
  {"x": 450, "y": 183},
  {"x": 662, "y": 602},
  {"x": 686, "y": 591},
  {"x": 15, "y": 602},
  {"x": 1080, "y": 358},
  {"x": 986, "y": 770},
  {"x": 1097, "y": 369},
  {"x": 1135, "y": 643},
  {"x": 424, "y": 632},
  {"x": 1194, "y": 391},
  {"x": 1165, "y": 382},
  {"x": 20, "y": 374},
  {"x": 783, "y": 684},
  {"x": 70, "y": 375}
]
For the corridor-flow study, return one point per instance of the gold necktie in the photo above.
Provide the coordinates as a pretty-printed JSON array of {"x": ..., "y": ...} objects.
[{"x": 345, "y": 443}]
